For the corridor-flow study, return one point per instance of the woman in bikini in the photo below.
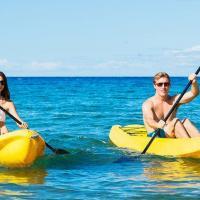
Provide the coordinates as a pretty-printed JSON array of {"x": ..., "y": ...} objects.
[{"x": 8, "y": 105}]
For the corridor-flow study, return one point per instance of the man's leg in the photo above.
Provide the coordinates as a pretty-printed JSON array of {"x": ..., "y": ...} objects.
[
  {"x": 176, "y": 129},
  {"x": 191, "y": 129}
]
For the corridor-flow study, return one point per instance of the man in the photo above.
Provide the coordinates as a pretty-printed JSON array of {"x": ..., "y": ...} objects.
[{"x": 156, "y": 108}]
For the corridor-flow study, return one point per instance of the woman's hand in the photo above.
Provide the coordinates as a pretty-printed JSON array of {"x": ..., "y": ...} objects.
[{"x": 23, "y": 125}]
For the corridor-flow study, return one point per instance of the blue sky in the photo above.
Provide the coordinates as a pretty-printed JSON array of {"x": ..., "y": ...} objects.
[{"x": 99, "y": 37}]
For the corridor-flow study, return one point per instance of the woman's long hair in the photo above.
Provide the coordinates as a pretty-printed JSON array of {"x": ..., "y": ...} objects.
[{"x": 5, "y": 92}]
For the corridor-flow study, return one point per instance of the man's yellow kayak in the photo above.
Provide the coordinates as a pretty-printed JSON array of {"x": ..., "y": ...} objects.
[
  {"x": 135, "y": 137},
  {"x": 20, "y": 148}
]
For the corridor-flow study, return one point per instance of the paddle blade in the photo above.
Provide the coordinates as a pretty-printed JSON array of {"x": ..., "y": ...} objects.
[
  {"x": 57, "y": 151},
  {"x": 61, "y": 151}
]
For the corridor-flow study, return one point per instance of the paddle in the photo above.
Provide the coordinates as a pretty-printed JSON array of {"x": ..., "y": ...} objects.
[
  {"x": 170, "y": 112},
  {"x": 56, "y": 151}
]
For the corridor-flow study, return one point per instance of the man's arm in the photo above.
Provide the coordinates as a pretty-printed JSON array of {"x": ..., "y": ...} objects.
[
  {"x": 189, "y": 96},
  {"x": 148, "y": 116}
]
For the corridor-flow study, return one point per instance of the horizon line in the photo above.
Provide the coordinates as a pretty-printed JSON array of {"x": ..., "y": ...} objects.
[{"x": 88, "y": 76}]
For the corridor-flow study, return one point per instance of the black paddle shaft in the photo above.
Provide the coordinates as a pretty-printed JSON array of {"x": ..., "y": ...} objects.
[
  {"x": 170, "y": 112},
  {"x": 56, "y": 151}
]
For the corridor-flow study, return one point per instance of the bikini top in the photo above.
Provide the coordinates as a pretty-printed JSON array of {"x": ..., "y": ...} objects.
[{"x": 2, "y": 116}]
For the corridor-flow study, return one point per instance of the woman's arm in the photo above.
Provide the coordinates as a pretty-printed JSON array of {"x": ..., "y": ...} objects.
[{"x": 12, "y": 110}]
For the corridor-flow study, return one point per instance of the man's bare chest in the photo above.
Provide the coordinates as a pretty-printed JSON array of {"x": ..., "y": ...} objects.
[{"x": 161, "y": 109}]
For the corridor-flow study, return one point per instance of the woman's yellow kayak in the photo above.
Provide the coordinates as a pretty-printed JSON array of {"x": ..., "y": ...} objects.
[
  {"x": 20, "y": 148},
  {"x": 134, "y": 137}
]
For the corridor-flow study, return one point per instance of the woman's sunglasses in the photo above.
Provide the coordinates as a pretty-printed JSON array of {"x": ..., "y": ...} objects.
[
  {"x": 2, "y": 82},
  {"x": 166, "y": 84}
]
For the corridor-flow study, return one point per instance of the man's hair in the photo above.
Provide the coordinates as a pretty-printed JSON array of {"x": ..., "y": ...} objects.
[{"x": 160, "y": 75}]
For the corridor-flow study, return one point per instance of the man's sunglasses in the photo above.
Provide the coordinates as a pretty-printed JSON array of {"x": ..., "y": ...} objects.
[
  {"x": 166, "y": 84},
  {"x": 2, "y": 82}
]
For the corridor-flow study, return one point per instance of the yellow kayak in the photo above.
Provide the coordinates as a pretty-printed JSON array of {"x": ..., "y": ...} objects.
[
  {"x": 20, "y": 148},
  {"x": 135, "y": 137}
]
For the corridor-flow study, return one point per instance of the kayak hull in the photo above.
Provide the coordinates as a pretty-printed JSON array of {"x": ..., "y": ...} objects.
[
  {"x": 20, "y": 148},
  {"x": 134, "y": 137}
]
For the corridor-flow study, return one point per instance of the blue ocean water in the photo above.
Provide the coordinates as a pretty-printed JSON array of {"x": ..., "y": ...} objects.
[{"x": 76, "y": 114}]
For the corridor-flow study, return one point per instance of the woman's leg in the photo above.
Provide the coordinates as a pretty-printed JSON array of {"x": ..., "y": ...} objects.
[
  {"x": 3, "y": 130},
  {"x": 176, "y": 129},
  {"x": 191, "y": 129}
]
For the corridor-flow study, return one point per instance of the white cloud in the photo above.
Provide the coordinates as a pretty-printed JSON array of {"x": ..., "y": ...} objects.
[
  {"x": 5, "y": 63},
  {"x": 185, "y": 57},
  {"x": 194, "y": 49},
  {"x": 178, "y": 62},
  {"x": 119, "y": 63},
  {"x": 46, "y": 64}
]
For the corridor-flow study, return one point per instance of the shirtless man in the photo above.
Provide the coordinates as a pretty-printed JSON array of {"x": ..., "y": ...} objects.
[{"x": 156, "y": 108}]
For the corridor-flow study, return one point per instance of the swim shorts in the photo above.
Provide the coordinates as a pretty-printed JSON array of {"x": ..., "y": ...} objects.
[{"x": 161, "y": 133}]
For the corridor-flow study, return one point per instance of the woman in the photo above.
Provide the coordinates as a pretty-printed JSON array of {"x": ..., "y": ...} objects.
[{"x": 7, "y": 104}]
